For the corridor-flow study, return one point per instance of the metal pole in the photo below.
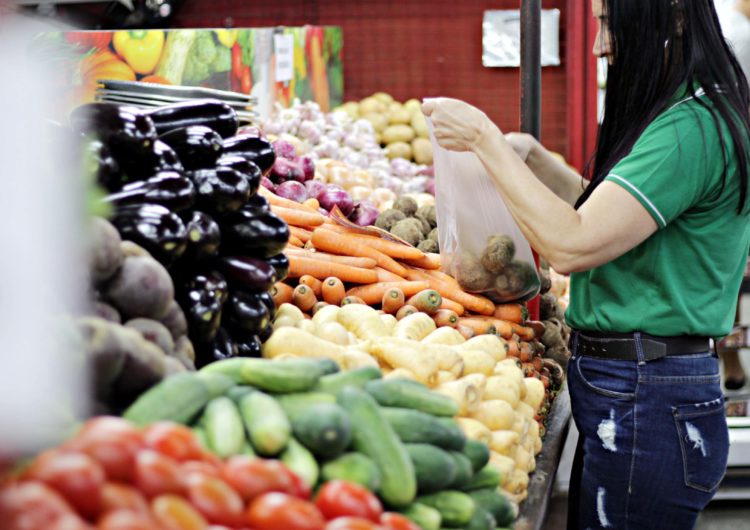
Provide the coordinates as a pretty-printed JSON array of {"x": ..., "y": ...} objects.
[{"x": 531, "y": 66}]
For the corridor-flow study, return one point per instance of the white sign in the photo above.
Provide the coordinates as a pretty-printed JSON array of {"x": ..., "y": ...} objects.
[
  {"x": 501, "y": 38},
  {"x": 284, "y": 48}
]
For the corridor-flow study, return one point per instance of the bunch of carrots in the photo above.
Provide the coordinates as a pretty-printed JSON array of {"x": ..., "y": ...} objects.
[{"x": 333, "y": 264}]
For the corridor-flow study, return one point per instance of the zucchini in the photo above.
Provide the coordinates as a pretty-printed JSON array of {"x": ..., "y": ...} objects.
[
  {"x": 268, "y": 427},
  {"x": 301, "y": 461},
  {"x": 487, "y": 477},
  {"x": 295, "y": 405},
  {"x": 325, "y": 430},
  {"x": 353, "y": 467},
  {"x": 456, "y": 508},
  {"x": 482, "y": 520},
  {"x": 411, "y": 395},
  {"x": 477, "y": 453},
  {"x": 423, "y": 516},
  {"x": 374, "y": 437},
  {"x": 224, "y": 429},
  {"x": 236, "y": 393},
  {"x": 493, "y": 501},
  {"x": 464, "y": 472},
  {"x": 293, "y": 375},
  {"x": 413, "y": 426},
  {"x": 435, "y": 469},
  {"x": 216, "y": 384},
  {"x": 334, "y": 383}
]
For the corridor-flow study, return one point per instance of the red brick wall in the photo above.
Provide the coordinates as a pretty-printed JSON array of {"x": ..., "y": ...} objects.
[{"x": 409, "y": 48}]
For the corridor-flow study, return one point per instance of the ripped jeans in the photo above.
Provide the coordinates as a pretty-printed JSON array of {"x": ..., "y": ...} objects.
[{"x": 653, "y": 441}]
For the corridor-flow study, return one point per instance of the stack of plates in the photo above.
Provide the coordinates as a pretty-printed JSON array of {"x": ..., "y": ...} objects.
[{"x": 150, "y": 95}]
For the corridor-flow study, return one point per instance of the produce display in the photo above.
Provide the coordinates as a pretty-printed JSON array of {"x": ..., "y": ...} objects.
[{"x": 417, "y": 225}]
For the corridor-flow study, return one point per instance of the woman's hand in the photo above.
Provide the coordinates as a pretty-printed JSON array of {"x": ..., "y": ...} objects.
[{"x": 457, "y": 125}]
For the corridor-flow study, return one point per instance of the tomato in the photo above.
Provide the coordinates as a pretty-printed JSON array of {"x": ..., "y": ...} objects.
[
  {"x": 396, "y": 521},
  {"x": 69, "y": 521},
  {"x": 127, "y": 520},
  {"x": 273, "y": 511},
  {"x": 218, "y": 502},
  {"x": 352, "y": 523},
  {"x": 196, "y": 469},
  {"x": 338, "y": 498},
  {"x": 30, "y": 506},
  {"x": 156, "y": 474},
  {"x": 251, "y": 477},
  {"x": 173, "y": 440},
  {"x": 123, "y": 497},
  {"x": 299, "y": 488},
  {"x": 175, "y": 513},
  {"x": 76, "y": 476},
  {"x": 113, "y": 442}
]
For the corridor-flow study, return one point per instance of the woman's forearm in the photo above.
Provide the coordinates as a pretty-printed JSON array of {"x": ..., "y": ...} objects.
[{"x": 557, "y": 176}]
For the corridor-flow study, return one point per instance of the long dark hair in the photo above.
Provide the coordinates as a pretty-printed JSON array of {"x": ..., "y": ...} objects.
[{"x": 646, "y": 73}]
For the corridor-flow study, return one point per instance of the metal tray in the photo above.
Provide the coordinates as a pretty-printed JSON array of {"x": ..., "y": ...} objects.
[{"x": 154, "y": 89}]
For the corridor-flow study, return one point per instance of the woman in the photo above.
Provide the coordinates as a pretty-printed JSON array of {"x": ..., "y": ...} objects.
[{"x": 656, "y": 245}]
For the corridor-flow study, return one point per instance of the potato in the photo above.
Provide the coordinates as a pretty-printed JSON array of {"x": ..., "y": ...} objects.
[
  {"x": 399, "y": 115},
  {"x": 398, "y": 133},
  {"x": 383, "y": 97},
  {"x": 398, "y": 150},
  {"x": 422, "y": 148},
  {"x": 378, "y": 120},
  {"x": 419, "y": 124},
  {"x": 371, "y": 105},
  {"x": 351, "y": 108},
  {"x": 413, "y": 105}
]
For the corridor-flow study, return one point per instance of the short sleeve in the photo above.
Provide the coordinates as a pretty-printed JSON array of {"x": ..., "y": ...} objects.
[{"x": 669, "y": 169}]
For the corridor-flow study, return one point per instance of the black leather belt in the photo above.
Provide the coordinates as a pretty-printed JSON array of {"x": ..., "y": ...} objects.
[{"x": 622, "y": 346}]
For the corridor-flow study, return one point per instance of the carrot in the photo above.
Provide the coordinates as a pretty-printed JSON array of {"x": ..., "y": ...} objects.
[
  {"x": 428, "y": 301},
  {"x": 393, "y": 300},
  {"x": 537, "y": 362},
  {"x": 313, "y": 283},
  {"x": 389, "y": 248},
  {"x": 524, "y": 352},
  {"x": 445, "y": 317},
  {"x": 511, "y": 312},
  {"x": 513, "y": 349},
  {"x": 430, "y": 261},
  {"x": 333, "y": 290},
  {"x": 440, "y": 275},
  {"x": 478, "y": 304},
  {"x": 352, "y": 300},
  {"x": 387, "y": 276},
  {"x": 502, "y": 328},
  {"x": 294, "y": 241},
  {"x": 281, "y": 293},
  {"x": 304, "y": 298},
  {"x": 350, "y": 245},
  {"x": 466, "y": 332},
  {"x": 312, "y": 204},
  {"x": 275, "y": 200},
  {"x": 405, "y": 311},
  {"x": 373, "y": 294},
  {"x": 362, "y": 263},
  {"x": 298, "y": 217},
  {"x": 479, "y": 326},
  {"x": 300, "y": 233},
  {"x": 299, "y": 266},
  {"x": 525, "y": 333},
  {"x": 452, "y": 306}
]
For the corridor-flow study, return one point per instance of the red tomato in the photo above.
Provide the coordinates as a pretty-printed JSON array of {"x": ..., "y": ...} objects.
[
  {"x": 338, "y": 498},
  {"x": 273, "y": 511},
  {"x": 396, "y": 521},
  {"x": 173, "y": 440},
  {"x": 123, "y": 497},
  {"x": 30, "y": 506},
  {"x": 175, "y": 513},
  {"x": 251, "y": 477},
  {"x": 127, "y": 520},
  {"x": 299, "y": 488},
  {"x": 218, "y": 502},
  {"x": 352, "y": 523},
  {"x": 246, "y": 80},
  {"x": 69, "y": 521},
  {"x": 76, "y": 476},
  {"x": 113, "y": 442},
  {"x": 196, "y": 469},
  {"x": 156, "y": 474}
]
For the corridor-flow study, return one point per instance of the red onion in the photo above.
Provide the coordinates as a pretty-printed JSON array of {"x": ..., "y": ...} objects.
[
  {"x": 266, "y": 183},
  {"x": 308, "y": 167},
  {"x": 284, "y": 149},
  {"x": 293, "y": 190},
  {"x": 284, "y": 170},
  {"x": 315, "y": 188},
  {"x": 365, "y": 213},
  {"x": 335, "y": 196}
]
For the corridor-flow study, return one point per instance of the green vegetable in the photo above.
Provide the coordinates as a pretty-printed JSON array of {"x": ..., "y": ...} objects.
[
  {"x": 294, "y": 375},
  {"x": 225, "y": 432},
  {"x": 494, "y": 502},
  {"x": 482, "y": 520},
  {"x": 412, "y": 395},
  {"x": 423, "y": 516},
  {"x": 296, "y": 405},
  {"x": 200, "y": 435},
  {"x": 175, "y": 54},
  {"x": 325, "y": 430},
  {"x": 334, "y": 383},
  {"x": 353, "y": 467},
  {"x": 464, "y": 472},
  {"x": 301, "y": 461},
  {"x": 478, "y": 453},
  {"x": 268, "y": 427},
  {"x": 236, "y": 393},
  {"x": 487, "y": 477},
  {"x": 413, "y": 426},
  {"x": 456, "y": 508},
  {"x": 435, "y": 469}
]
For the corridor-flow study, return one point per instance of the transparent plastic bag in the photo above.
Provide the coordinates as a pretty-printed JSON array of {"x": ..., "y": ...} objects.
[{"x": 480, "y": 244}]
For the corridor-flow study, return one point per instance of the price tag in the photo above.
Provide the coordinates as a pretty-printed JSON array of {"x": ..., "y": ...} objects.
[{"x": 284, "y": 50}]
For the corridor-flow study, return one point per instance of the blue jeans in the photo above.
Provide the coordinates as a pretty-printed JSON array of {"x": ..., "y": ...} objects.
[{"x": 653, "y": 440}]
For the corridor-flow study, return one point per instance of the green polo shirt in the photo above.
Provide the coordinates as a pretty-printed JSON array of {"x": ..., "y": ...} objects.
[{"x": 684, "y": 279}]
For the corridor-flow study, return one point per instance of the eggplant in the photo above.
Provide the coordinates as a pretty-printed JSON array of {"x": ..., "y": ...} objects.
[
  {"x": 210, "y": 113},
  {"x": 116, "y": 125},
  {"x": 155, "y": 228},
  {"x": 246, "y": 168},
  {"x": 168, "y": 188},
  {"x": 250, "y": 274},
  {"x": 254, "y": 149},
  {"x": 266, "y": 333},
  {"x": 280, "y": 263},
  {"x": 258, "y": 202},
  {"x": 248, "y": 345},
  {"x": 221, "y": 190},
  {"x": 99, "y": 160},
  {"x": 246, "y": 311},
  {"x": 139, "y": 162},
  {"x": 267, "y": 299},
  {"x": 221, "y": 347},
  {"x": 255, "y": 232},
  {"x": 198, "y": 147},
  {"x": 204, "y": 237},
  {"x": 202, "y": 300}
]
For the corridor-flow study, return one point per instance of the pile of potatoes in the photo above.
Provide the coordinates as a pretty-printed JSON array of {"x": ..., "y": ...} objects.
[{"x": 401, "y": 128}]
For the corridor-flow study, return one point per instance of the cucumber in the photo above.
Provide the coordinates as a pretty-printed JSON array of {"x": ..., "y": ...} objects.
[
  {"x": 295, "y": 405},
  {"x": 236, "y": 393},
  {"x": 456, "y": 508},
  {"x": 301, "y": 461},
  {"x": 334, "y": 383},
  {"x": 224, "y": 429},
  {"x": 268, "y": 427},
  {"x": 217, "y": 384},
  {"x": 327, "y": 366},
  {"x": 478, "y": 453},
  {"x": 200, "y": 435},
  {"x": 407, "y": 394},
  {"x": 293, "y": 375},
  {"x": 423, "y": 516},
  {"x": 325, "y": 430},
  {"x": 435, "y": 469},
  {"x": 487, "y": 477},
  {"x": 353, "y": 467},
  {"x": 413, "y": 426},
  {"x": 482, "y": 520},
  {"x": 464, "y": 472},
  {"x": 374, "y": 437},
  {"x": 493, "y": 501}
]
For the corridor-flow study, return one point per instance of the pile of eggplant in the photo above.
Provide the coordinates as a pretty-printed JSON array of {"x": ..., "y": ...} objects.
[{"x": 182, "y": 181}]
